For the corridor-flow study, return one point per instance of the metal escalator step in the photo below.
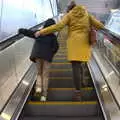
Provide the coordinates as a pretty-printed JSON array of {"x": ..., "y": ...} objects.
[
  {"x": 64, "y": 82},
  {"x": 62, "y": 109},
  {"x": 65, "y": 94},
  {"x": 61, "y": 73},
  {"x": 60, "y": 60},
  {"x": 62, "y": 118},
  {"x": 61, "y": 82},
  {"x": 61, "y": 66}
]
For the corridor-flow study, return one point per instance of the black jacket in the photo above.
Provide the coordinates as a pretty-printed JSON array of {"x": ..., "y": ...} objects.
[{"x": 45, "y": 46}]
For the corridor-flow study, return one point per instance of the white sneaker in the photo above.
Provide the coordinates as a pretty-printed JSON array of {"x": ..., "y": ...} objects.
[
  {"x": 38, "y": 90},
  {"x": 43, "y": 98}
]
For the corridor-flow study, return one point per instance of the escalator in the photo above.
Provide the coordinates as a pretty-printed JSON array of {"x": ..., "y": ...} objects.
[{"x": 59, "y": 105}]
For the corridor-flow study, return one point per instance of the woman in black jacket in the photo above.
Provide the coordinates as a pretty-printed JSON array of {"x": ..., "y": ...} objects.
[{"x": 42, "y": 54}]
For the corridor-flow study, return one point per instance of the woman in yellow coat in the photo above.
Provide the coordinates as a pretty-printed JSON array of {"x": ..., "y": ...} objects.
[{"x": 79, "y": 50}]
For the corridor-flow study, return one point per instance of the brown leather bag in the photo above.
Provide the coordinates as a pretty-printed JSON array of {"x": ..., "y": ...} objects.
[{"x": 92, "y": 36}]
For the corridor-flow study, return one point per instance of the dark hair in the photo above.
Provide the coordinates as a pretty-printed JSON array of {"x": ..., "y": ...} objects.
[
  {"x": 71, "y": 5},
  {"x": 49, "y": 22}
]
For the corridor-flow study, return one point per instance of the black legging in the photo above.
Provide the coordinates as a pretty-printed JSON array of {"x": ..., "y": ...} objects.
[{"x": 77, "y": 69}]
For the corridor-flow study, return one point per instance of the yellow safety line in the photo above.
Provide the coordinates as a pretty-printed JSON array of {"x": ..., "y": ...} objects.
[
  {"x": 87, "y": 88},
  {"x": 63, "y": 103}
]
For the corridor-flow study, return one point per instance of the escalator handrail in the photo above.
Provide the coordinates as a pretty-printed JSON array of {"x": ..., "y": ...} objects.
[
  {"x": 12, "y": 39},
  {"x": 113, "y": 38}
]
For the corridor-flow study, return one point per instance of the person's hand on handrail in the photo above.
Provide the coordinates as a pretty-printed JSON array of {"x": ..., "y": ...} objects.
[{"x": 37, "y": 34}]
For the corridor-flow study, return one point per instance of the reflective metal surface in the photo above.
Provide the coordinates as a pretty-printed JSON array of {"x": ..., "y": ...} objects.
[
  {"x": 109, "y": 49},
  {"x": 14, "y": 62},
  {"x": 14, "y": 107},
  {"x": 111, "y": 77},
  {"x": 105, "y": 87}
]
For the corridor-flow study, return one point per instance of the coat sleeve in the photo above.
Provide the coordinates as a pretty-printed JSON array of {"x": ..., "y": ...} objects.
[
  {"x": 56, "y": 27},
  {"x": 96, "y": 23},
  {"x": 26, "y": 32}
]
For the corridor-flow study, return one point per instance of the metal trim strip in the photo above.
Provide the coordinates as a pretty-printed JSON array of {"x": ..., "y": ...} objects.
[{"x": 16, "y": 103}]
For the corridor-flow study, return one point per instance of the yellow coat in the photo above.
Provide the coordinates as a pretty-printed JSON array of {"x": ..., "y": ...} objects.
[{"x": 78, "y": 22}]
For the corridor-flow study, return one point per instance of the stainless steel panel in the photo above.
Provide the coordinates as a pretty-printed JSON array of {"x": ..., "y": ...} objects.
[
  {"x": 111, "y": 77},
  {"x": 7, "y": 74},
  {"x": 18, "y": 99},
  {"x": 14, "y": 62},
  {"x": 108, "y": 104},
  {"x": 22, "y": 51}
]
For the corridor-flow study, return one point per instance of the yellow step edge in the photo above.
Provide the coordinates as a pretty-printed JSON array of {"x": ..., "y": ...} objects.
[
  {"x": 87, "y": 88},
  {"x": 60, "y": 70},
  {"x": 63, "y": 103},
  {"x": 60, "y": 78}
]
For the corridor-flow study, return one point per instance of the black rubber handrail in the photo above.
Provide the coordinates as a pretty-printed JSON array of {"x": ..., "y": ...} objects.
[
  {"x": 9, "y": 41},
  {"x": 115, "y": 39}
]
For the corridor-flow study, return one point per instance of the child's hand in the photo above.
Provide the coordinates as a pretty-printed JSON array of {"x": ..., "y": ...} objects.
[{"x": 37, "y": 34}]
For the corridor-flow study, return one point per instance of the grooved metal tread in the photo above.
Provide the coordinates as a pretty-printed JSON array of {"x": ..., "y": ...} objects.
[
  {"x": 62, "y": 108},
  {"x": 61, "y": 118}
]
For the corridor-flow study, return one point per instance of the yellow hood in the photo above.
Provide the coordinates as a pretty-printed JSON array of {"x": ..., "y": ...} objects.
[{"x": 78, "y": 11}]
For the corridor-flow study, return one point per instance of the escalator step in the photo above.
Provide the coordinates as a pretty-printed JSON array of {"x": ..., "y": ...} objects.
[
  {"x": 62, "y": 109},
  {"x": 61, "y": 73},
  {"x": 60, "y": 66},
  {"x": 65, "y": 82},
  {"x": 65, "y": 94},
  {"x": 62, "y": 118},
  {"x": 61, "y": 82},
  {"x": 60, "y": 60}
]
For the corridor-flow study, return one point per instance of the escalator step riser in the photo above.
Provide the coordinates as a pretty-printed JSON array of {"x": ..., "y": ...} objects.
[
  {"x": 60, "y": 61},
  {"x": 61, "y": 74},
  {"x": 62, "y": 109},
  {"x": 62, "y": 118},
  {"x": 61, "y": 83},
  {"x": 65, "y": 83},
  {"x": 61, "y": 66},
  {"x": 66, "y": 95}
]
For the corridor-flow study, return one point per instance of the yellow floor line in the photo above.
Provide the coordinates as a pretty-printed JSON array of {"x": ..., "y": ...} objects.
[
  {"x": 63, "y": 103},
  {"x": 87, "y": 88}
]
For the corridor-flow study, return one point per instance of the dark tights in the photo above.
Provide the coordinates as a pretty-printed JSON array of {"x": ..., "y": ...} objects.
[{"x": 77, "y": 69}]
